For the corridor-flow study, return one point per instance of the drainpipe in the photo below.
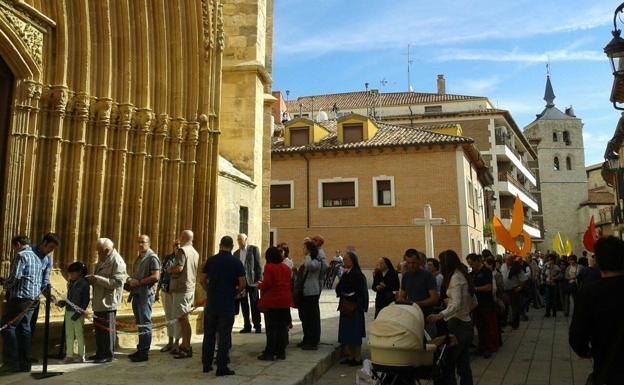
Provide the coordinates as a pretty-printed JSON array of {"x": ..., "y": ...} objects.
[{"x": 307, "y": 190}]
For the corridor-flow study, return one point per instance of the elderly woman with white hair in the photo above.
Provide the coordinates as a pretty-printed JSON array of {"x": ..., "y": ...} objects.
[{"x": 107, "y": 281}]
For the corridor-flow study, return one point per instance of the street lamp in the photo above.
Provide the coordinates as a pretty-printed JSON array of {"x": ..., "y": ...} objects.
[
  {"x": 613, "y": 160},
  {"x": 615, "y": 52}
]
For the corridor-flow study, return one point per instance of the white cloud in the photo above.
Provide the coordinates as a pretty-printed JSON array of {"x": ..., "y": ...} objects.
[
  {"x": 397, "y": 23},
  {"x": 595, "y": 145},
  {"x": 478, "y": 86},
  {"x": 518, "y": 106},
  {"x": 519, "y": 56}
]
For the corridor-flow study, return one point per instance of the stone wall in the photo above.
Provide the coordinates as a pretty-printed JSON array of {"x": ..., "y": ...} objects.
[
  {"x": 563, "y": 190},
  {"x": 233, "y": 193},
  {"x": 246, "y": 122},
  {"x": 117, "y": 114}
]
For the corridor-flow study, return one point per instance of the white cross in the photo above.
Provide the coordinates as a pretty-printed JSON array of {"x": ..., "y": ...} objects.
[{"x": 428, "y": 221}]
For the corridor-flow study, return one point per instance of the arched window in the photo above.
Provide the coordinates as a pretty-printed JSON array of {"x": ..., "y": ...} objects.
[
  {"x": 568, "y": 163},
  {"x": 566, "y": 138},
  {"x": 556, "y": 164},
  {"x": 555, "y": 139}
]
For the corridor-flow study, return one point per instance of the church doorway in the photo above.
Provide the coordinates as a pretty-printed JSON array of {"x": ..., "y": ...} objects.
[{"x": 7, "y": 81}]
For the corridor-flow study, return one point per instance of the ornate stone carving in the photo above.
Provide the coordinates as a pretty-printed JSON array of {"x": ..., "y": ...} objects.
[
  {"x": 102, "y": 110},
  {"x": 220, "y": 37},
  {"x": 203, "y": 122},
  {"x": 143, "y": 119},
  {"x": 114, "y": 119},
  {"x": 162, "y": 121},
  {"x": 31, "y": 90},
  {"x": 125, "y": 115},
  {"x": 58, "y": 99},
  {"x": 207, "y": 11},
  {"x": 28, "y": 34},
  {"x": 191, "y": 131},
  {"x": 79, "y": 105},
  {"x": 175, "y": 128}
]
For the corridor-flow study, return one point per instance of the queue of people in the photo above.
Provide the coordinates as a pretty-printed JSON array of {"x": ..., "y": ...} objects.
[{"x": 454, "y": 299}]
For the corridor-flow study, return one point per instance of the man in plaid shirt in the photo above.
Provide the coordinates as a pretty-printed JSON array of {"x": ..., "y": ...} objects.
[{"x": 23, "y": 287}]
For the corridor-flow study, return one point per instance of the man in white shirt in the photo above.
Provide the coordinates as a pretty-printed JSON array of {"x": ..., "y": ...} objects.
[
  {"x": 514, "y": 279},
  {"x": 249, "y": 256}
]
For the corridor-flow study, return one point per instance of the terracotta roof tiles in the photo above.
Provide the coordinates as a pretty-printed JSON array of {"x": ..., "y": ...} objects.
[
  {"x": 387, "y": 136},
  {"x": 362, "y": 99}
]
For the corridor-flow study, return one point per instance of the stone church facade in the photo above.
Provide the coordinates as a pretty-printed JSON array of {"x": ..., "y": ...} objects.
[{"x": 115, "y": 113}]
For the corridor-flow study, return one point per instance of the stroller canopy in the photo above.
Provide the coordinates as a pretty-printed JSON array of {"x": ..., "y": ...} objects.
[{"x": 396, "y": 337}]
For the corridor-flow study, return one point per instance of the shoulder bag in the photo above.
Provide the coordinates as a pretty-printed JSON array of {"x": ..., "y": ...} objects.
[{"x": 298, "y": 287}]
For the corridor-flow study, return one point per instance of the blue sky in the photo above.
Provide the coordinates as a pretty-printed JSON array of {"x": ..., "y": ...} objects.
[{"x": 488, "y": 48}]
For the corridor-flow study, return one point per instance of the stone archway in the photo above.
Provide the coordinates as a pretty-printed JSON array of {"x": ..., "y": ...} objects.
[
  {"x": 22, "y": 35},
  {"x": 7, "y": 83}
]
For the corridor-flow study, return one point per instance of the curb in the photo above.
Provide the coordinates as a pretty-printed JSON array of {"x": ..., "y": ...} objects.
[{"x": 321, "y": 367}]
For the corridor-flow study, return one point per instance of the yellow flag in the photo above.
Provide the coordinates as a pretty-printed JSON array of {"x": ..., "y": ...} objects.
[
  {"x": 558, "y": 244},
  {"x": 568, "y": 248}
]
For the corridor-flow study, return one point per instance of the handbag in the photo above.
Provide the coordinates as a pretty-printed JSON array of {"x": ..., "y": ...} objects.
[
  {"x": 298, "y": 289},
  {"x": 347, "y": 308}
]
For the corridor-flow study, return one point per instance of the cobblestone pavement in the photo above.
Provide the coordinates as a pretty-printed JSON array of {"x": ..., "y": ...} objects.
[
  {"x": 300, "y": 367},
  {"x": 536, "y": 354}
]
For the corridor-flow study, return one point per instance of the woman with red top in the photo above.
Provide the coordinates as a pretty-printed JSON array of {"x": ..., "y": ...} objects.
[{"x": 276, "y": 301}]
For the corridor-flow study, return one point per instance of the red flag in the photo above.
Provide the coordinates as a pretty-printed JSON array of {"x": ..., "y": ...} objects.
[{"x": 590, "y": 237}]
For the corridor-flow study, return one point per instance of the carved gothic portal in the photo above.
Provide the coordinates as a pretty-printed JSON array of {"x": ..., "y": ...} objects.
[{"x": 111, "y": 127}]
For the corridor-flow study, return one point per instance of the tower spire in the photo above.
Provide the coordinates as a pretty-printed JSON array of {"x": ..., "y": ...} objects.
[{"x": 549, "y": 94}]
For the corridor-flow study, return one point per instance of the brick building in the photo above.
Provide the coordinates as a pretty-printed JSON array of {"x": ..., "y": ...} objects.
[
  {"x": 360, "y": 183},
  {"x": 509, "y": 156}
]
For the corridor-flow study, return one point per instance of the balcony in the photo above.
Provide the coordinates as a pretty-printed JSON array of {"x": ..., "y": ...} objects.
[
  {"x": 506, "y": 151},
  {"x": 531, "y": 226},
  {"x": 605, "y": 216},
  {"x": 507, "y": 184}
]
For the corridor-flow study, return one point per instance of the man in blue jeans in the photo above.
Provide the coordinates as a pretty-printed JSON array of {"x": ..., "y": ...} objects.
[
  {"x": 44, "y": 250},
  {"x": 145, "y": 274},
  {"x": 224, "y": 279},
  {"x": 23, "y": 288}
]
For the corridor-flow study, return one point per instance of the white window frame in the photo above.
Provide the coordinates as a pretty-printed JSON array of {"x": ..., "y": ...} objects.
[
  {"x": 334, "y": 180},
  {"x": 292, "y": 192},
  {"x": 471, "y": 198},
  {"x": 392, "y": 195},
  {"x": 274, "y": 232}
]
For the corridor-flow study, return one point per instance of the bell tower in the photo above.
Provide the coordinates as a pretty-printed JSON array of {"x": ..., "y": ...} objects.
[{"x": 561, "y": 164}]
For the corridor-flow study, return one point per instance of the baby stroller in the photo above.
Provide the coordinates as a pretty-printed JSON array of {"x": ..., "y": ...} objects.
[{"x": 399, "y": 353}]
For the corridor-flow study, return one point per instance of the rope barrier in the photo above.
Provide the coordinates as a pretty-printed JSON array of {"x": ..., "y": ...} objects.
[
  {"x": 21, "y": 314},
  {"x": 102, "y": 322}
]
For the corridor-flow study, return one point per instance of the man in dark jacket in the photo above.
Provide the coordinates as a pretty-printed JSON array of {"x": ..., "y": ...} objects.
[
  {"x": 249, "y": 256},
  {"x": 223, "y": 280},
  {"x": 597, "y": 329}
]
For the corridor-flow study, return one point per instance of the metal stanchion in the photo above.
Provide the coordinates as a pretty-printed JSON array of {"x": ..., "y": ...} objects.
[{"x": 46, "y": 335}]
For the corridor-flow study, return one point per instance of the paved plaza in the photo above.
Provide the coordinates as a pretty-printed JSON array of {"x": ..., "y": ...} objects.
[
  {"x": 536, "y": 354},
  {"x": 300, "y": 367}
]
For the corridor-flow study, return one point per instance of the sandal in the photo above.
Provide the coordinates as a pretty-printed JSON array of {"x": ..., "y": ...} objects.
[
  {"x": 183, "y": 353},
  {"x": 166, "y": 348},
  {"x": 174, "y": 350}
]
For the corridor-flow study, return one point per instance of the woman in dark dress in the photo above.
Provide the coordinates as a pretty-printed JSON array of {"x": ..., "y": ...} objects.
[
  {"x": 353, "y": 293},
  {"x": 385, "y": 284}
]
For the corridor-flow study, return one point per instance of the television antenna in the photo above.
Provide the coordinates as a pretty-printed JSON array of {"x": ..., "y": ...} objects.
[{"x": 409, "y": 70}]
